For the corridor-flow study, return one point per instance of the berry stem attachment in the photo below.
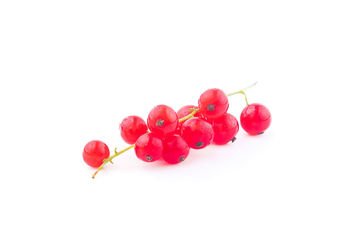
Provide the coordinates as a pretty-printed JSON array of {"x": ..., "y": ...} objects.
[
  {"x": 242, "y": 92},
  {"x": 111, "y": 158}
]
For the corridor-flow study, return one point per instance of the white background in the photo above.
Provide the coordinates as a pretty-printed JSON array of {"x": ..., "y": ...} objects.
[{"x": 70, "y": 71}]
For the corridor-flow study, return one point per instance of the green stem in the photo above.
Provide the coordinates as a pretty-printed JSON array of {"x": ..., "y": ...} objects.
[
  {"x": 189, "y": 115},
  {"x": 242, "y": 92},
  {"x": 111, "y": 158},
  {"x": 244, "y": 89}
]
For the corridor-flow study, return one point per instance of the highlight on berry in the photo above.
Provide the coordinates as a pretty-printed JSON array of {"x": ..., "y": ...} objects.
[{"x": 170, "y": 135}]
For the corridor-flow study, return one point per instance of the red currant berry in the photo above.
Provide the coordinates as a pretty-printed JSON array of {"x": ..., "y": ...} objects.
[
  {"x": 131, "y": 128},
  {"x": 149, "y": 147},
  {"x": 175, "y": 149},
  {"x": 95, "y": 152},
  {"x": 225, "y": 129},
  {"x": 162, "y": 120},
  {"x": 197, "y": 133},
  {"x": 213, "y": 103},
  {"x": 255, "y": 119}
]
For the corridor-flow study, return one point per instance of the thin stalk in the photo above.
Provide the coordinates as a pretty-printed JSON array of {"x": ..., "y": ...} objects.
[
  {"x": 189, "y": 115},
  {"x": 111, "y": 158},
  {"x": 242, "y": 92}
]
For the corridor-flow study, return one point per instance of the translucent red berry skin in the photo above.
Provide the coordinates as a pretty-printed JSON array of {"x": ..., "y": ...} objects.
[
  {"x": 162, "y": 120},
  {"x": 225, "y": 129},
  {"x": 131, "y": 128},
  {"x": 95, "y": 152},
  {"x": 175, "y": 149},
  {"x": 197, "y": 133},
  {"x": 149, "y": 147},
  {"x": 255, "y": 119},
  {"x": 213, "y": 103}
]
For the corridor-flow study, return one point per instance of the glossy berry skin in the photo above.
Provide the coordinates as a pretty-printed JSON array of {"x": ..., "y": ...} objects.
[
  {"x": 225, "y": 129},
  {"x": 95, "y": 152},
  {"x": 197, "y": 133},
  {"x": 255, "y": 119},
  {"x": 149, "y": 147},
  {"x": 213, "y": 103},
  {"x": 175, "y": 149},
  {"x": 131, "y": 128},
  {"x": 162, "y": 120}
]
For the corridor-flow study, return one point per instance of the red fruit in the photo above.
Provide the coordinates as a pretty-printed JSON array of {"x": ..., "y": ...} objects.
[
  {"x": 225, "y": 129},
  {"x": 213, "y": 103},
  {"x": 255, "y": 119},
  {"x": 162, "y": 120},
  {"x": 131, "y": 128},
  {"x": 95, "y": 152},
  {"x": 149, "y": 147},
  {"x": 197, "y": 133},
  {"x": 175, "y": 149}
]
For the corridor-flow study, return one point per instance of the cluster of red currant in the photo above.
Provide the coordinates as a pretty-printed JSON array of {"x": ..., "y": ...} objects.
[{"x": 170, "y": 135}]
